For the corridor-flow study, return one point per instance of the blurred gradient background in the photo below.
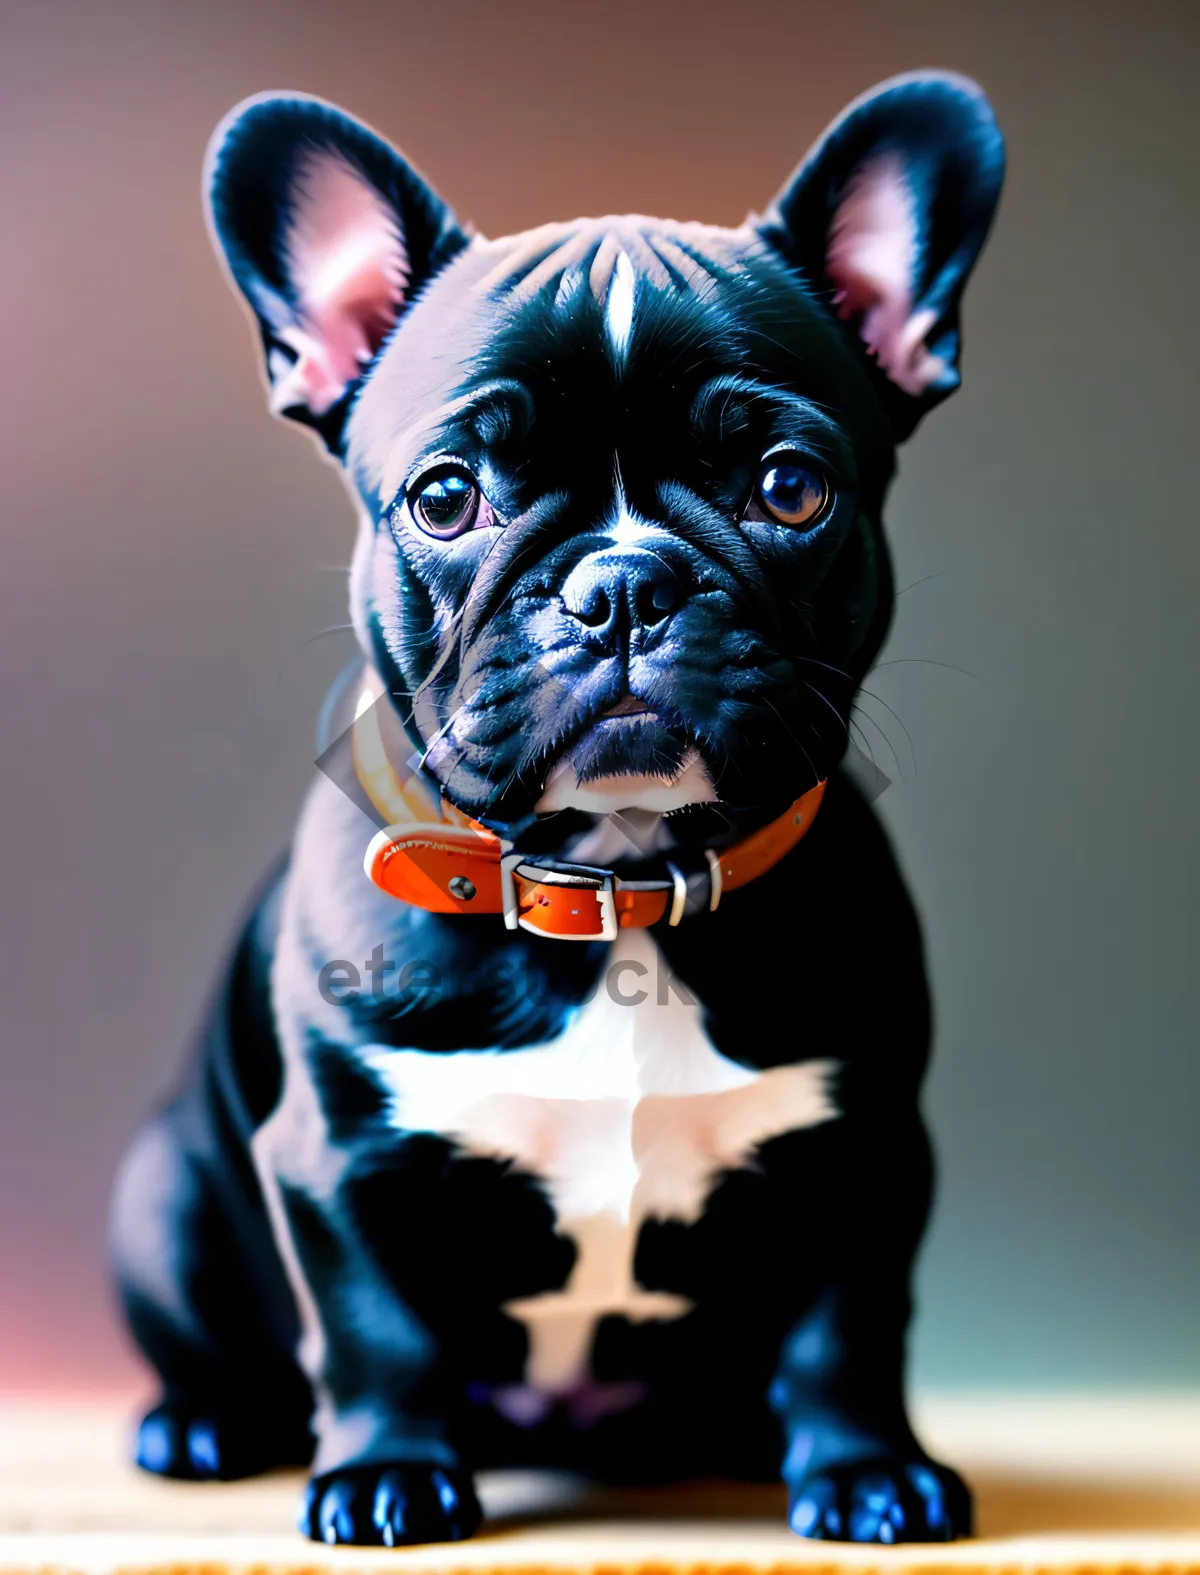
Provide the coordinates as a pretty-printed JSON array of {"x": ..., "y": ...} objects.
[{"x": 167, "y": 558}]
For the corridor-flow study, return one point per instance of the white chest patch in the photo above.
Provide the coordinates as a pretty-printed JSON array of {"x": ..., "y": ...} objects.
[{"x": 630, "y": 1114}]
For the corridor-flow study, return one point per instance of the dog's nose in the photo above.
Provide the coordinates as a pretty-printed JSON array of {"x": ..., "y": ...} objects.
[{"x": 622, "y": 591}]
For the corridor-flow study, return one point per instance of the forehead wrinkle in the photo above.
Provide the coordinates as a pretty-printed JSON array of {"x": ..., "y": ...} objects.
[
  {"x": 525, "y": 254},
  {"x": 649, "y": 265},
  {"x": 488, "y": 410},
  {"x": 807, "y": 415},
  {"x": 803, "y": 420},
  {"x": 684, "y": 269},
  {"x": 551, "y": 270}
]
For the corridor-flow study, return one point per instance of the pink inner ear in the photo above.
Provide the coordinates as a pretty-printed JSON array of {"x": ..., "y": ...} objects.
[
  {"x": 870, "y": 259},
  {"x": 348, "y": 262}
]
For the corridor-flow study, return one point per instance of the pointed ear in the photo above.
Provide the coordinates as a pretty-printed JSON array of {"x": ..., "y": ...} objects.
[
  {"x": 329, "y": 233},
  {"x": 886, "y": 216}
]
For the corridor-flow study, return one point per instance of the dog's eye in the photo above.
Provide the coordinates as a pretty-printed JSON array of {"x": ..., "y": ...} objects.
[
  {"x": 788, "y": 493},
  {"x": 448, "y": 503}
]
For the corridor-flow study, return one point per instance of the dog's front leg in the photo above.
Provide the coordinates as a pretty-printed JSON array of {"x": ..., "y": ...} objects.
[
  {"x": 385, "y": 1470},
  {"x": 853, "y": 1465}
]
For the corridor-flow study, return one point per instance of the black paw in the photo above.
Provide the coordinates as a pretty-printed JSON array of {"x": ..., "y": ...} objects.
[
  {"x": 886, "y": 1500},
  {"x": 390, "y": 1504},
  {"x": 198, "y": 1446}
]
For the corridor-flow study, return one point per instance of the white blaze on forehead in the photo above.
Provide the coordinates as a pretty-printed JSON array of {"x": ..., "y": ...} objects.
[
  {"x": 618, "y": 305},
  {"x": 630, "y": 1114},
  {"x": 625, "y": 527},
  {"x": 628, "y": 527}
]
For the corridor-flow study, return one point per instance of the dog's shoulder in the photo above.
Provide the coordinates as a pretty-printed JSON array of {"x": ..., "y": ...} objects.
[{"x": 354, "y": 968}]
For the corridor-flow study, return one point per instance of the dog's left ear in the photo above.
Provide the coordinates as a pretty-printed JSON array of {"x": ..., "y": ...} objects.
[
  {"x": 329, "y": 233},
  {"x": 885, "y": 217}
]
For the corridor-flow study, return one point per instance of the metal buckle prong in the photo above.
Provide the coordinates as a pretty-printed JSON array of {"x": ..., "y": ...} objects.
[{"x": 508, "y": 890}]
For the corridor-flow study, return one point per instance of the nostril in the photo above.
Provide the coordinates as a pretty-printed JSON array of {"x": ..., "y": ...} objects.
[
  {"x": 595, "y": 609},
  {"x": 657, "y": 599}
]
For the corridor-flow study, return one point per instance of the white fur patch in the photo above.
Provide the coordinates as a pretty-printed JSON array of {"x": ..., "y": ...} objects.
[
  {"x": 628, "y": 529},
  {"x": 690, "y": 785},
  {"x": 618, "y": 305},
  {"x": 630, "y": 1114}
]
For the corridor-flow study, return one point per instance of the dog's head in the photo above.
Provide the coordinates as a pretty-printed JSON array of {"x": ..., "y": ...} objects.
[{"x": 620, "y": 481}]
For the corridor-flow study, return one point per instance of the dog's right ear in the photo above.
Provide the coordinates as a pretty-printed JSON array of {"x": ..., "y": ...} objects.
[
  {"x": 329, "y": 233},
  {"x": 885, "y": 218}
]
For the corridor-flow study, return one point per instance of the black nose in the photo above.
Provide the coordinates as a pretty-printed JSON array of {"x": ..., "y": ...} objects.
[{"x": 619, "y": 591}]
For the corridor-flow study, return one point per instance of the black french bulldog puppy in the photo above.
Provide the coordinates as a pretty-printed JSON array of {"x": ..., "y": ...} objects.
[{"x": 645, "y": 1205}]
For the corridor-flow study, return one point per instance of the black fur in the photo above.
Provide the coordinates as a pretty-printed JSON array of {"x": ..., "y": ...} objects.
[{"x": 500, "y": 651}]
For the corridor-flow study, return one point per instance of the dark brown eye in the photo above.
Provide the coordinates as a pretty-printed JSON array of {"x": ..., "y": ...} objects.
[
  {"x": 788, "y": 493},
  {"x": 448, "y": 503}
]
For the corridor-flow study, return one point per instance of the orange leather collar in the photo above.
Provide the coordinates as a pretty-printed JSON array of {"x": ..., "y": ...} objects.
[{"x": 468, "y": 869}]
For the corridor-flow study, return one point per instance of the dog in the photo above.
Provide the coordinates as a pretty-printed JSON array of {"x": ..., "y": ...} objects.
[{"x": 439, "y": 1192}]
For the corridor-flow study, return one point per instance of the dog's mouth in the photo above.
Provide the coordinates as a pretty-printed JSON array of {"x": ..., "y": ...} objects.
[
  {"x": 630, "y": 709},
  {"x": 628, "y": 757}
]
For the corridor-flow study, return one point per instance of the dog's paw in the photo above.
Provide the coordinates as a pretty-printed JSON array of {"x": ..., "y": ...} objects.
[
  {"x": 886, "y": 1500},
  {"x": 403, "y": 1502},
  {"x": 182, "y": 1441}
]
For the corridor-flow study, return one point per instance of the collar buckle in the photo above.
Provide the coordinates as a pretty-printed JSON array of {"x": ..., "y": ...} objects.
[{"x": 570, "y": 902}]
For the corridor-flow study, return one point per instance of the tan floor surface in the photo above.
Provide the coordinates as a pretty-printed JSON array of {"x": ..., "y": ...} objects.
[{"x": 1059, "y": 1488}]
